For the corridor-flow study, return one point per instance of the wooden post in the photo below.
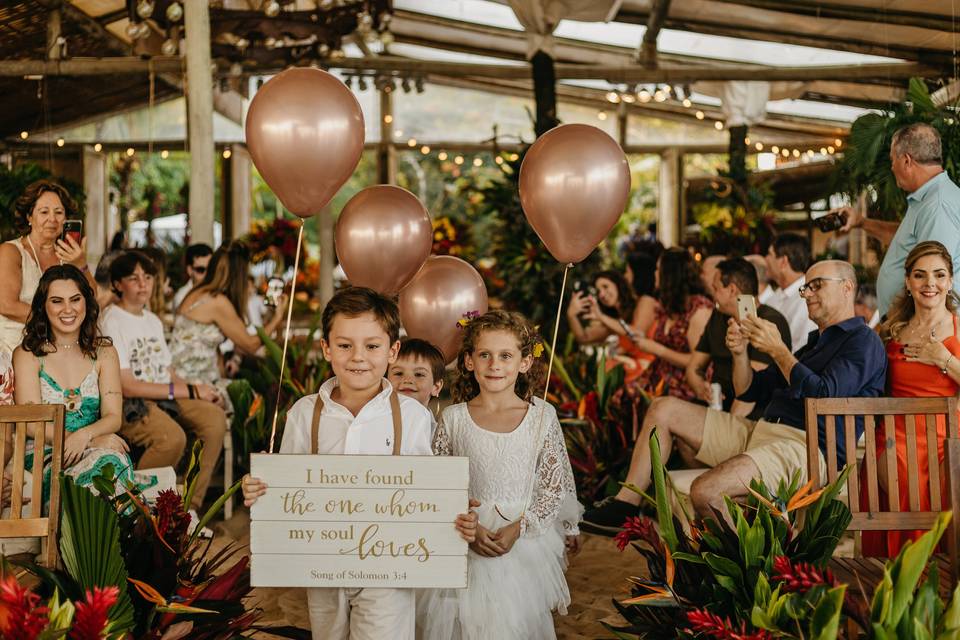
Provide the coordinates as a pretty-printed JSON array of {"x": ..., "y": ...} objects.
[
  {"x": 200, "y": 121},
  {"x": 53, "y": 32},
  {"x": 668, "y": 198},
  {"x": 95, "y": 182},
  {"x": 622, "y": 125},
  {"x": 327, "y": 261},
  {"x": 544, "y": 92},
  {"x": 240, "y": 188},
  {"x": 386, "y": 154}
]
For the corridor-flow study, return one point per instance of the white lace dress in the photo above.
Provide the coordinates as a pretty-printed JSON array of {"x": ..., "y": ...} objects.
[{"x": 511, "y": 596}]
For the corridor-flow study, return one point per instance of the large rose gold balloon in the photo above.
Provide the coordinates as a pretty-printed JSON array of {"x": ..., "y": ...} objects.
[
  {"x": 383, "y": 237},
  {"x": 444, "y": 291},
  {"x": 305, "y": 135},
  {"x": 574, "y": 184}
]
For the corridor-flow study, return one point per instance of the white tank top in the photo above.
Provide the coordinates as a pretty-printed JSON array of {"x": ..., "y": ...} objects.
[{"x": 11, "y": 331}]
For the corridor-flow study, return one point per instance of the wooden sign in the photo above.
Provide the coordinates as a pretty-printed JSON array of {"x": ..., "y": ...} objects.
[{"x": 358, "y": 521}]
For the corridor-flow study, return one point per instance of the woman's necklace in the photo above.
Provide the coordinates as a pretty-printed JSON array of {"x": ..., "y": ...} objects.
[
  {"x": 917, "y": 331},
  {"x": 35, "y": 257},
  {"x": 66, "y": 346}
]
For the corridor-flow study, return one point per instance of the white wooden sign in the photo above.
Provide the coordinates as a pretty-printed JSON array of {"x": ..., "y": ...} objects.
[{"x": 358, "y": 521}]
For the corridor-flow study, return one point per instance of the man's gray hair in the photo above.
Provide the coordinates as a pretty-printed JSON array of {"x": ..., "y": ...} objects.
[{"x": 920, "y": 141}]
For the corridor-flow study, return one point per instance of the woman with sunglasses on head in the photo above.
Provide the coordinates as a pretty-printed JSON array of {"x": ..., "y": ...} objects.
[
  {"x": 923, "y": 356},
  {"x": 213, "y": 312},
  {"x": 65, "y": 360}
]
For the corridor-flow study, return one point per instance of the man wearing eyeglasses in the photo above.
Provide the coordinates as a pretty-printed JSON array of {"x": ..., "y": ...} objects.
[
  {"x": 933, "y": 208},
  {"x": 841, "y": 358},
  {"x": 197, "y": 258}
]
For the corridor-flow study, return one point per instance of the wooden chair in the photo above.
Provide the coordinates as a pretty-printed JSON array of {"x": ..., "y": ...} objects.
[
  {"x": 14, "y": 421},
  {"x": 877, "y": 412}
]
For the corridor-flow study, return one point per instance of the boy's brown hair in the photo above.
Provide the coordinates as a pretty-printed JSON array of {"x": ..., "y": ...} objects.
[
  {"x": 355, "y": 301},
  {"x": 416, "y": 348}
]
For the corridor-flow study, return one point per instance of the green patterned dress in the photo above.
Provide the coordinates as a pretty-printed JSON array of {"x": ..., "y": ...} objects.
[{"x": 82, "y": 409}]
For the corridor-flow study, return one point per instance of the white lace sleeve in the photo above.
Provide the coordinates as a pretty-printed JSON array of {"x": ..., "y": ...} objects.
[
  {"x": 554, "y": 486},
  {"x": 441, "y": 441}
]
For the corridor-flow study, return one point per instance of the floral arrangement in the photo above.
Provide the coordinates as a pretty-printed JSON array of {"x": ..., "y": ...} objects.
[
  {"x": 763, "y": 575},
  {"x": 448, "y": 237},
  {"x": 274, "y": 239},
  {"x": 133, "y": 571},
  {"x": 731, "y": 228}
]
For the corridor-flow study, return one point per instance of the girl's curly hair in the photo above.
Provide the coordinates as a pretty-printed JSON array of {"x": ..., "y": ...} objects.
[{"x": 465, "y": 386}]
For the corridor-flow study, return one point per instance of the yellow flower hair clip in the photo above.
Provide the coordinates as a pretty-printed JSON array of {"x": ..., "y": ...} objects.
[
  {"x": 467, "y": 318},
  {"x": 538, "y": 350}
]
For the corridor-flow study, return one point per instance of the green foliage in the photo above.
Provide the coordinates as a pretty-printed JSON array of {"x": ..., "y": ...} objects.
[
  {"x": 598, "y": 431},
  {"x": 90, "y": 547},
  {"x": 524, "y": 276},
  {"x": 12, "y": 184},
  {"x": 305, "y": 371},
  {"x": 866, "y": 159}
]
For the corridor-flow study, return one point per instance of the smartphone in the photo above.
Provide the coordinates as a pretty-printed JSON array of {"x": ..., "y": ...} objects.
[
  {"x": 746, "y": 306},
  {"x": 73, "y": 229},
  {"x": 829, "y": 221},
  {"x": 274, "y": 291}
]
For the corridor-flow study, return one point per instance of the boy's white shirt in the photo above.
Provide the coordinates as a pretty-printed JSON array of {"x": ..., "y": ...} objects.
[{"x": 369, "y": 432}]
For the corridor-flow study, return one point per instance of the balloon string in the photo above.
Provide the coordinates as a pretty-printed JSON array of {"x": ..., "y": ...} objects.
[
  {"x": 546, "y": 386},
  {"x": 286, "y": 337}
]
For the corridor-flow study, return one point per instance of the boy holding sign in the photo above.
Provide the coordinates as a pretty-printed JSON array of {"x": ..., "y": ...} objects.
[{"x": 359, "y": 412}]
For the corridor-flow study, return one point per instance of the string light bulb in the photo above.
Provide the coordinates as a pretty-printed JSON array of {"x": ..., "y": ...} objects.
[
  {"x": 226, "y": 154},
  {"x": 412, "y": 142},
  {"x": 164, "y": 154},
  {"x": 174, "y": 12},
  {"x": 699, "y": 115},
  {"x": 271, "y": 8},
  {"x": 458, "y": 160},
  {"x": 759, "y": 146},
  {"x": 169, "y": 47},
  {"x": 61, "y": 142},
  {"x": 644, "y": 95},
  {"x": 442, "y": 156},
  {"x": 425, "y": 149},
  {"x": 613, "y": 96},
  {"x": 130, "y": 151},
  {"x": 687, "y": 103},
  {"x": 98, "y": 147},
  {"x": 830, "y": 149},
  {"x": 718, "y": 125},
  {"x": 24, "y": 135},
  {"x": 145, "y": 9},
  {"x": 838, "y": 143},
  {"x": 498, "y": 159},
  {"x": 477, "y": 162},
  {"x": 601, "y": 115}
]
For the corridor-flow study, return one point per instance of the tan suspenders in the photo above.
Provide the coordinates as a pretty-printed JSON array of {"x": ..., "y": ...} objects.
[{"x": 394, "y": 410}]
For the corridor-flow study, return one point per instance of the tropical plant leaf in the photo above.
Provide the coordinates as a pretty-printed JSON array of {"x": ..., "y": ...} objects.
[
  {"x": 90, "y": 547},
  {"x": 664, "y": 512}
]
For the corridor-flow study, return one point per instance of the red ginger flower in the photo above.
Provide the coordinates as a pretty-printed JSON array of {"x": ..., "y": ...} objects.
[
  {"x": 171, "y": 518},
  {"x": 710, "y": 624},
  {"x": 800, "y": 577},
  {"x": 22, "y": 618},
  {"x": 91, "y": 617},
  {"x": 634, "y": 528}
]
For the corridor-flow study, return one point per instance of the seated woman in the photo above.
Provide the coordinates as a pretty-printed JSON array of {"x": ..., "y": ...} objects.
[
  {"x": 213, "y": 312},
  {"x": 679, "y": 321},
  {"x": 923, "y": 356},
  {"x": 64, "y": 360},
  {"x": 613, "y": 311}
]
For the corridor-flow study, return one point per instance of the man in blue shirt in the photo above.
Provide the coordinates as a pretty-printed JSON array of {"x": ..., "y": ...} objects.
[
  {"x": 933, "y": 208},
  {"x": 842, "y": 358}
]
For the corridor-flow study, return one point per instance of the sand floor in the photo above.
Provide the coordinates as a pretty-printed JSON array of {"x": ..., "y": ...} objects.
[{"x": 596, "y": 575}]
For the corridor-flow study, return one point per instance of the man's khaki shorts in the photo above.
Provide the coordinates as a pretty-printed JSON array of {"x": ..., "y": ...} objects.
[{"x": 778, "y": 450}]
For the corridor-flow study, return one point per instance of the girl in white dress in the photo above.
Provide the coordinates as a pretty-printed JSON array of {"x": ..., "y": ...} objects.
[{"x": 520, "y": 473}]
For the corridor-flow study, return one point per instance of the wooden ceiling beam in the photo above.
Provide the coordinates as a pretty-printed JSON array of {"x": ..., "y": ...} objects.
[{"x": 826, "y": 10}]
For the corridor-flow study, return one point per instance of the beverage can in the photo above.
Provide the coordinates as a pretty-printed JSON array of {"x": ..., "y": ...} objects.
[{"x": 716, "y": 397}]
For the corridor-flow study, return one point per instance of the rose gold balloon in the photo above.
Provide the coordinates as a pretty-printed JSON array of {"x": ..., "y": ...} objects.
[
  {"x": 305, "y": 135},
  {"x": 383, "y": 237},
  {"x": 574, "y": 184},
  {"x": 442, "y": 293}
]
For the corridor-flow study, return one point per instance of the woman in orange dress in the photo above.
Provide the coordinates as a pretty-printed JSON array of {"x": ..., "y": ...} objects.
[{"x": 923, "y": 352}]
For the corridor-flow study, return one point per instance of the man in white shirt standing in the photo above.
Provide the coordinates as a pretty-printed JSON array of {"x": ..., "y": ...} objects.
[
  {"x": 197, "y": 258},
  {"x": 152, "y": 392},
  {"x": 787, "y": 260}
]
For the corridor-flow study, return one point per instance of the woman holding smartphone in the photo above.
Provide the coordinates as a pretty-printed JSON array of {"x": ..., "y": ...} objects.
[{"x": 41, "y": 211}]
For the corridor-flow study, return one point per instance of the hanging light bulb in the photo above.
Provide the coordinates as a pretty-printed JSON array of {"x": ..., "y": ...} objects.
[
  {"x": 24, "y": 135},
  {"x": 700, "y": 115},
  {"x": 337, "y": 54},
  {"x": 687, "y": 103},
  {"x": 271, "y": 8},
  {"x": 169, "y": 47},
  {"x": 143, "y": 31},
  {"x": 145, "y": 8},
  {"x": 98, "y": 147},
  {"x": 132, "y": 30},
  {"x": 174, "y": 12},
  {"x": 61, "y": 142},
  {"x": 643, "y": 95},
  {"x": 659, "y": 96},
  {"x": 242, "y": 44},
  {"x": 323, "y": 50}
]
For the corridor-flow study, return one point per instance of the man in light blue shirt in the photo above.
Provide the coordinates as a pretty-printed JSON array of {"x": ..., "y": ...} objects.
[{"x": 933, "y": 208}]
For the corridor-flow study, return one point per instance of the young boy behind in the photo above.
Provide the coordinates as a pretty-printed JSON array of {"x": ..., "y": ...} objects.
[
  {"x": 418, "y": 370},
  {"x": 360, "y": 340}
]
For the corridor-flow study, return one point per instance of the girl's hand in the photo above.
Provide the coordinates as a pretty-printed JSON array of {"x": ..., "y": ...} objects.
[
  {"x": 507, "y": 535},
  {"x": 252, "y": 489},
  {"x": 466, "y": 523},
  {"x": 927, "y": 352},
  {"x": 74, "y": 445},
  {"x": 572, "y": 545},
  {"x": 486, "y": 543},
  {"x": 69, "y": 252},
  {"x": 110, "y": 441},
  {"x": 578, "y": 304}
]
